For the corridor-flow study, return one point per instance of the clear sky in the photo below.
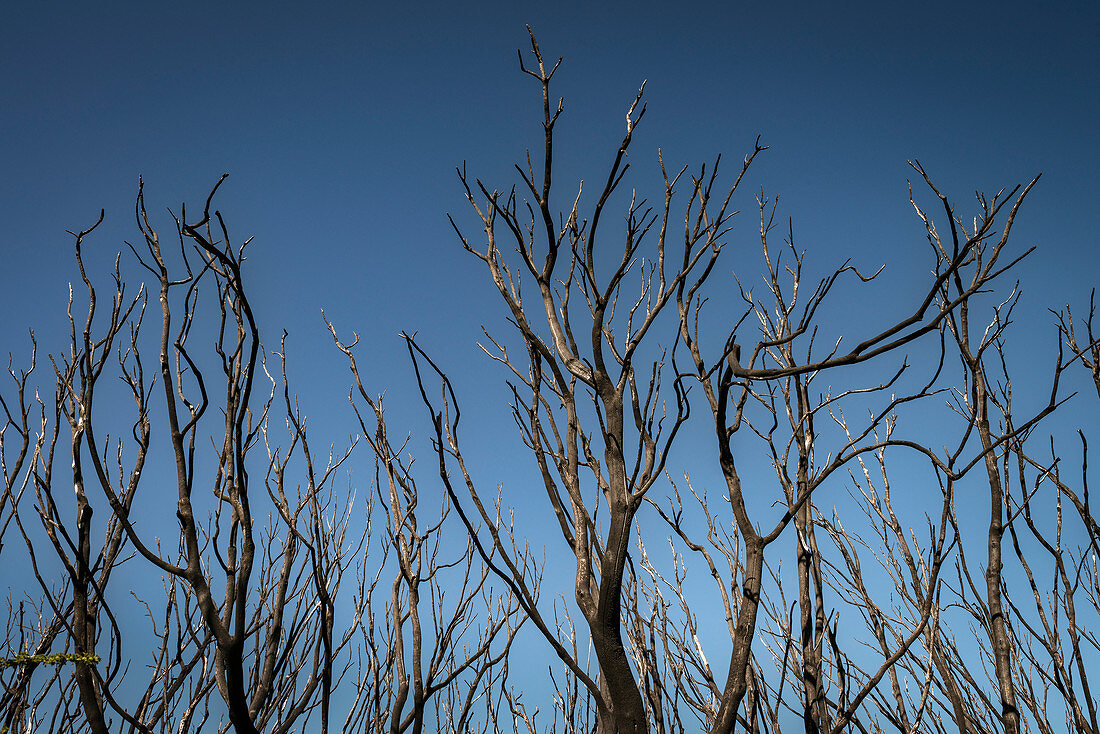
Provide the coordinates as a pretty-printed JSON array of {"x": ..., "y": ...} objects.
[{"x": 341, "y": 125}]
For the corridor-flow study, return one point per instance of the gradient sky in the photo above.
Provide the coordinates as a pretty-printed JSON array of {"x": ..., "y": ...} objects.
[{"x": 341, "y": 125}]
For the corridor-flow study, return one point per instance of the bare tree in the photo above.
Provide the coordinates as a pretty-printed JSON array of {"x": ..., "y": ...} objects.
[
  {"x": 587, "y": 415},
  {"x": 423, "y": 670},
  {"x": 265, "y": 644}
]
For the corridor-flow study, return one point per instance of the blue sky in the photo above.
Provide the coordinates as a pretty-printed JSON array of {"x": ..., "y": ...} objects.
[{"x": 341, "y": 125}]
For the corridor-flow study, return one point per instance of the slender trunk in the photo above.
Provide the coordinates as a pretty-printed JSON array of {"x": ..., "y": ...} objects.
[
  {"x": 627, "y": 708},
  {"x": 236, "y": 699},
  {"x": 737, "y": 680},
  {"x": 84, "y": 621},
  {"x": 811, "y": 618},
  {"x": 998, "y": 629},
  {"x": 811, "y": 602},
  {"x": 625, "y": 699}
]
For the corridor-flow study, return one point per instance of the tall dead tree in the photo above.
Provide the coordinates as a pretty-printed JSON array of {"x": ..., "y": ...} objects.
[
  {"x": 591, "y": 407},
  {"x": 264, "y": 643},
  {"x": 776, "y": 373}
]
